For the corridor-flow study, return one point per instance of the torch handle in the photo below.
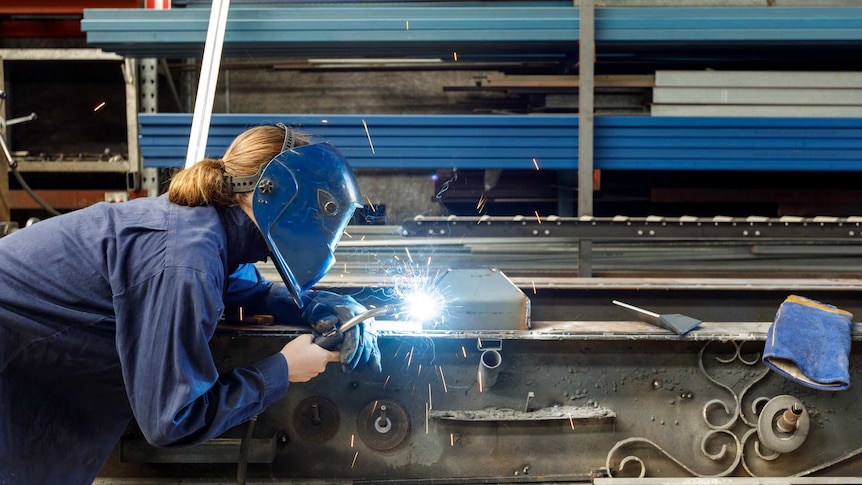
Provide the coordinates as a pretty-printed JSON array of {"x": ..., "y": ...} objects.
[{"x": 332, "y": 339}]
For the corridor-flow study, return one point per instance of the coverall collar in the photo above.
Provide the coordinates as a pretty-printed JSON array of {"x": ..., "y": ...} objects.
[{"x": 245, "y": 243}]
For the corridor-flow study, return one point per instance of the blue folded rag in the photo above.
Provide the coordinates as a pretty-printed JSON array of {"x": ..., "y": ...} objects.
[{"x": 809, "y": 343}]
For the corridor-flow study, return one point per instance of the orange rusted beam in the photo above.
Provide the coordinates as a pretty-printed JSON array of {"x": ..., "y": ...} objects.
[
  {"x": 60, "y": 7},
  {"x": 62, "y": 199},
  {"x": 53, "y": 29}
]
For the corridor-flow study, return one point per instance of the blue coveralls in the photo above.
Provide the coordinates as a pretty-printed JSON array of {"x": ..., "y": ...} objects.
[{"x": 105, "y": 316}]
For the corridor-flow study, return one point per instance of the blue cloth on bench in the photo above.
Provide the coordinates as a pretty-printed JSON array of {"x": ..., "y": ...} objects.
[{"x": 809, "y": 343}]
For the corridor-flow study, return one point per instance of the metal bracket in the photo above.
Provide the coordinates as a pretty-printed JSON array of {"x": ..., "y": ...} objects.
[{"x": 489, "y": 344}]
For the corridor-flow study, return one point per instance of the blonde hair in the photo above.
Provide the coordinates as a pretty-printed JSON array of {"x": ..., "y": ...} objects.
[{"x": 203, "y": 183}]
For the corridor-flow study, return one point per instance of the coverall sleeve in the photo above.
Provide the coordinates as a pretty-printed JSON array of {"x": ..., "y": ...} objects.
[
  {"x": 177, "y": 395},
  {"x": 249, "y": 289}
]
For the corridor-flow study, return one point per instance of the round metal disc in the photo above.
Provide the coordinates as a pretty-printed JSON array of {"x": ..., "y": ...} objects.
[
  {"x": 772, "y": 437},
  {"x": 383, "y": 425},
  {"x": 316, "y": 419}
]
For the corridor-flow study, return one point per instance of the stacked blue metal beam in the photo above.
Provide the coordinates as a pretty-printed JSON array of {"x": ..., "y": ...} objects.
[
  {"x": 513, "y": 142},
  {"x": 344, "y": 31},
  {"x": 391, "y": 141},
  {"x": 439, "y": 29}
]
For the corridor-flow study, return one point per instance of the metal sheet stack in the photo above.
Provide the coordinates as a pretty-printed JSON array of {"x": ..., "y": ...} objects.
[
  {"x": 546, "y": 142},
  {"x": 757, "y": 93},
  {"x": 486, "y": 29},
  {"x": 389, "y": 141}
]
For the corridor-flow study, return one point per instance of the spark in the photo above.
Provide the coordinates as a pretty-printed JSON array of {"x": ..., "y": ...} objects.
[
  {"x": 451, "y": 439},
  {"x": 455, "y": 56},
  {"x": 421, "y": 302},
  {"x": 324, "y": 121},
  {"x": 445, "y": 186},
  {"x": 370, "y": 204},
  {"x": 461, "y": 240},
  {"x": 571, "y": 422},
  {"x": 354, "y": 459},
  {"x": 410, "y": 357},
  {"x": 464, "y": 351},
  {"x": 368, "y": 134},
  {"x": 481, "y": 204},
  {"x": 352, "y": 437},
  {"x": 409, "y": 256},
  {"x": 100, "y": 106},
  {"x": 426, "y": 417},
  {"x": 406, "y": 25},
  {"x": 387, "y": 381},
  {"x": 537, "y": 216},
  {"x": 445, "y": 388},
  {"x": 481, "y": 387},
  {"x": 362, "y": 238},
  {"x": 420, "y": 371},
  {"x": 345, "y": 268},
  {"x": 348, "y": 234},
  {"x": 374, "y": 408},
  {"x": 429, "y": 397},
  {"x": 536, "y": 164},
  {"x": 534, "y": 287},
  {"x": 429, "y": 261}
]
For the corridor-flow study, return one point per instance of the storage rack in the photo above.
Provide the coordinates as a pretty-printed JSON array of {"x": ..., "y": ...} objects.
[{"x": 548, "y": 31}]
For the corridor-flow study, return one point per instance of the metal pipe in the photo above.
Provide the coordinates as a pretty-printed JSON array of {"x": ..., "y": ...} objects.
[
  {"x": 788, "y": 420},
  {"x": 489, "y": 368}
]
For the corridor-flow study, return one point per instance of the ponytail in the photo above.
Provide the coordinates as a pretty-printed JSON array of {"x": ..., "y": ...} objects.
[
  {"x": 203, "y": 183},
  {"x": 200, "y": 184}
]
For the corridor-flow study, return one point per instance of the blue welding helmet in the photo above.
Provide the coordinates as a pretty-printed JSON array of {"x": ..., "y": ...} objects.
[{"x": 303, "y": 201}]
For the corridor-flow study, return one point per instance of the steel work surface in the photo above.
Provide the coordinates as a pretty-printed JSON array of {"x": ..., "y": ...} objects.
[
  {"x": 581, "y": 394},
  {"x": 667, "y": 407}
]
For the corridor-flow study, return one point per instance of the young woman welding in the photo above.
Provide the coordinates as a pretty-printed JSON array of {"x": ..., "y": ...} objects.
[{"x": 106, "y": 312}]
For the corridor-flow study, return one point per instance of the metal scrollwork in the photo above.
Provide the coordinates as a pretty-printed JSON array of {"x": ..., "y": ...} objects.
[{"x": 758, "y": 421}]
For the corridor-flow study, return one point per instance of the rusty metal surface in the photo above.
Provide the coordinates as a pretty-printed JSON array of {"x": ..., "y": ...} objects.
[
  {"x": 582, "y": 394},
  {"x": 676, "y": 408}
]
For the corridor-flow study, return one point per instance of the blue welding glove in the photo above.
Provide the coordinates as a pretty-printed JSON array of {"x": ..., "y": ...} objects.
[{"x": 327, "y": 310}]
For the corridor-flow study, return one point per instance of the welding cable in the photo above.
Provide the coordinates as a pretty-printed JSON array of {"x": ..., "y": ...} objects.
[
  {"x": 27, "y": 189},
  {"x": 13, "y": 165},
  {"x": 244, "y": 449}
]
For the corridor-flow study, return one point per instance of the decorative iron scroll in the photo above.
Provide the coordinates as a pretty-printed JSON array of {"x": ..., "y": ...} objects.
[{"x": 723, "y": 433}]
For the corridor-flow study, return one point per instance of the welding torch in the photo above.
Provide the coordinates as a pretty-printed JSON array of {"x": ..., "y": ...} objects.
[{"x": 331, "y": 339}]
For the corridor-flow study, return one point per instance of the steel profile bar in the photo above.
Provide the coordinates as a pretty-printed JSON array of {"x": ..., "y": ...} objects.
[
  {"x": 494, "y": 28},
  {"x": 586, "y": 71},
  {"x": 652, "y": 228},
  {"x": 208, "y": 81},
  {"x": 486, "y": 141}
]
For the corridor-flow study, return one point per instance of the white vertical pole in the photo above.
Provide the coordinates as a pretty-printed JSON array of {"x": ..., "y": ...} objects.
[
  {"x": 207, "y": 84},
  {"x": 586, "y": 85},
  {"x": 586, "y": 53}
]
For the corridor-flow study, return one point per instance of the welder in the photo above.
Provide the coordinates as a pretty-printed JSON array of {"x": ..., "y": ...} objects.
[{"x": 106, "y": 312}]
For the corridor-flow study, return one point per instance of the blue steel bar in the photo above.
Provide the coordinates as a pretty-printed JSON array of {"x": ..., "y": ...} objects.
[
  {"x": 527, "y": 29},
  {"x": 511, "y": 142}
]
